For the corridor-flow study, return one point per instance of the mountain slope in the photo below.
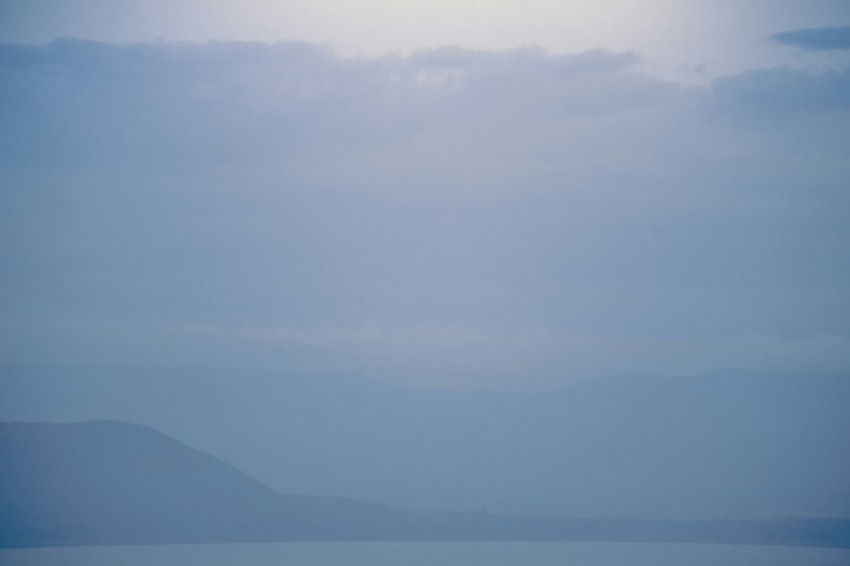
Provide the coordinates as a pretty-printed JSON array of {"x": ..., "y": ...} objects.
[
  {"x": 113, "y": 482},
  {"x": 717, "y": 446},
  {"x": 107, "y": 482}
]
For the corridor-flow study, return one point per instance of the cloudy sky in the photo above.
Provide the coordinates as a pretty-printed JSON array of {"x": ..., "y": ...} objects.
[{"x": 449, "y": 194}]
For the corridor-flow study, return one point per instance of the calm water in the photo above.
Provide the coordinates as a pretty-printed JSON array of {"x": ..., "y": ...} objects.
[{"x": 427, "y": 553}]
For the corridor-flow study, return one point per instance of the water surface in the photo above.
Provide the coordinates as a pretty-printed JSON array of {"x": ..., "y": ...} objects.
[{"x": 428, "y": 554}]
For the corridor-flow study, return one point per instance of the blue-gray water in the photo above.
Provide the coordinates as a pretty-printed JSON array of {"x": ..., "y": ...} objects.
[{"x": 427, "y": 554}]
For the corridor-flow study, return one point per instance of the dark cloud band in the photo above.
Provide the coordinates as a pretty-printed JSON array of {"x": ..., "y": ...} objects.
[{"x": 816, "y": 39}]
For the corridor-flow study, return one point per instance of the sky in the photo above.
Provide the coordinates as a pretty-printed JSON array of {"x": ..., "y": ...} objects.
[
  {"x": 443, "y": 194},
  {"x": 685, "y": 40}
]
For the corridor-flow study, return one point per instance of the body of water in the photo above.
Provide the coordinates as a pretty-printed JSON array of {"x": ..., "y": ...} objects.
[{"x": 427, "y": 554}]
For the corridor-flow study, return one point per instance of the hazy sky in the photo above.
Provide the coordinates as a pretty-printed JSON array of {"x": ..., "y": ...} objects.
[{"x": 455, "y": 194}]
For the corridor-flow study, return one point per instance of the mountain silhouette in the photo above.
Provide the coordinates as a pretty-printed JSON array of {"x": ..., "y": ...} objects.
[
  {"x": 109, "y": 482},
  {"x": 723, "y": 446}
]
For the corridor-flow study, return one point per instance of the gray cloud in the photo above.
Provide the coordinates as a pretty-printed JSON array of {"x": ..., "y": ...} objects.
[
  {"x": 817, "y": 39},
  {"x": 784, "y": 91},
  {"x": 476, "y": 217}
]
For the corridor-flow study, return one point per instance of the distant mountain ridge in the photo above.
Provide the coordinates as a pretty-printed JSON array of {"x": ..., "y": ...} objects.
[
  {"x": 114, "y": 482},
  {"x": 725, "y": 446},
  {"x": 109, "y": 482}
]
